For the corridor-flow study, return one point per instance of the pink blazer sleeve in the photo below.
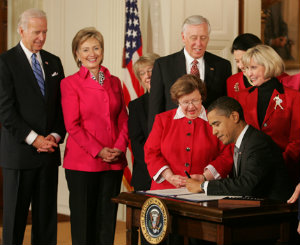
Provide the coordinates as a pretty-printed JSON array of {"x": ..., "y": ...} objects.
[{"x": 121, "y": 142}]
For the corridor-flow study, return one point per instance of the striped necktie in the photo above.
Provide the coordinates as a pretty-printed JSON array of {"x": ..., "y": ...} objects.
[{"x": 37, "y": 70}]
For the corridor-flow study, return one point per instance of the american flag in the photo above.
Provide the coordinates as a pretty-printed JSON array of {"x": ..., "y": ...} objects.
[{"x": 132, "y": 51}]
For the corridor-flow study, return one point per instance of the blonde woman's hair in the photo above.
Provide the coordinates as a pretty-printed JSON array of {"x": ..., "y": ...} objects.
[
  {"x": 266, "y": 56},
  {"x": 145, "y": 60},
  {"x": 83, "y": 35}
]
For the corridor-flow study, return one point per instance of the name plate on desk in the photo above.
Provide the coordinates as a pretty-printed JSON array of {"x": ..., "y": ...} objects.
[{"x": 154, "y": 220}]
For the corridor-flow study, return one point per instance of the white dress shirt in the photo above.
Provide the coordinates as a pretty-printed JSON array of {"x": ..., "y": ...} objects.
[
  {"x": 201, "y": 65},
  {"x": 32, "y": 135}
]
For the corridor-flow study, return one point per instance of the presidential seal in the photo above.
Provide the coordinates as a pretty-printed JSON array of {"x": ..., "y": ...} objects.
[{"x": 154, "y": 220}]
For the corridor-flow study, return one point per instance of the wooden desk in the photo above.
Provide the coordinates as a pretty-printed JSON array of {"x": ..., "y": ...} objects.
[{"x": 223, "y": 225}]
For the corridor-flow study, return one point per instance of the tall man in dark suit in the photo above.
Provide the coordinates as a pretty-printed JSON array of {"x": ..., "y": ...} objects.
[
  {"x": 194, "y": 59},
  {"x": 259, "y": 168},
  {"x": 32, "y": 128}
]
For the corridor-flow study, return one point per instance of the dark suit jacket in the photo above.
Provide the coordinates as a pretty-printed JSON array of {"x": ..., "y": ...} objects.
[
  {"x": 138, "y": 133},
  {"x": 168, "y": 69},
  {"x": 261, "y": 171},
  {"x": 23, "y": 108}
]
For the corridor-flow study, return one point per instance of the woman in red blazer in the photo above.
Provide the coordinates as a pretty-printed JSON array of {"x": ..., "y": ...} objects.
[
  {"x": 240, "y": 81},
  {"x": 96, "y": 121},
  {"x": 240, "y": 45},
  {"x": 182, "y": 140},
  {"x": 270, "y": 106}
]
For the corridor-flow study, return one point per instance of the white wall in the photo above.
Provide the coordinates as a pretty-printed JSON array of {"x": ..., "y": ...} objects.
[
  {"x": 252, "y": 17},
  {"x": 161, "y": 22}
]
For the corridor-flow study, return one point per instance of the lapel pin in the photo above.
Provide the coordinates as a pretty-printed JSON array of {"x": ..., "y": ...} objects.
[
  {"x": 236, "y": 87},
  {"x": 278, "y": 102},
  {"x": 212, "y": 69},
  {"x": 46, "y": 62}
]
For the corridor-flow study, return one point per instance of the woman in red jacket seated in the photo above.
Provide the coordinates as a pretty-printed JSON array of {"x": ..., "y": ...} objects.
[
  {"x": 182, "y": 140},
  {"x": 270, "y": 106}
]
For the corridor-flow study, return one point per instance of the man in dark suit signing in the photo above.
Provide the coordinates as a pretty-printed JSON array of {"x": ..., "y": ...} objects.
[
  {"x": 192, "y": 59},
  {"x": 32, "y": 128},
  {"x": 259, "y": 168}
]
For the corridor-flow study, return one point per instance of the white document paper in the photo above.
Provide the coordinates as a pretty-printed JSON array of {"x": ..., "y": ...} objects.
[{"x": 184, "y": 194}]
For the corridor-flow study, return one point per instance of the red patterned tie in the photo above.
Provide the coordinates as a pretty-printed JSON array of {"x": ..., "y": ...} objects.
[{"x": 194, "y": 69}]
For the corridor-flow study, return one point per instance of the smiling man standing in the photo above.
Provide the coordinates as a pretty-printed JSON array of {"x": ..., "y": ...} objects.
[
  {"x": 192, "y": 59},
  {"x": 32, "y": 128}
]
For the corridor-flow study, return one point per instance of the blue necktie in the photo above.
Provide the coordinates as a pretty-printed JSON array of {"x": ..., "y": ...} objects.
[{"x": 37, "y": 70}]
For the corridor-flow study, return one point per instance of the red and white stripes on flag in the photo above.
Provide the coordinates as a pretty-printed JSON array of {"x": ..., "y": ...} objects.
[{"x": 132, "y": 51}]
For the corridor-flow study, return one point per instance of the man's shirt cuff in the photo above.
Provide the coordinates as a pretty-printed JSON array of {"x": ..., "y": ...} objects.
[
  {"x": 56, "y": 136},
  {"x": 31, "y": 137}
]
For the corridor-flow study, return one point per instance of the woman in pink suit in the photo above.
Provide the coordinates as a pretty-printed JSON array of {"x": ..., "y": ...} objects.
[
  {"x": 96, "y": 121},
  {"x": 182, "y": 140},
  {"x": 270, "y": 106}
]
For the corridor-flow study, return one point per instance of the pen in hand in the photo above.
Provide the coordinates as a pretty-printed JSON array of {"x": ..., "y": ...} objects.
[{"x": 187, "y": 174}]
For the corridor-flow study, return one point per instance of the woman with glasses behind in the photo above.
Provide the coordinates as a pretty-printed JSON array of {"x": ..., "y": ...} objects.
[{"x": 182, "y": 140}]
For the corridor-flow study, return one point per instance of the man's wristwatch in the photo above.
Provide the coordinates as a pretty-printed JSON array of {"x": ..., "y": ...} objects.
[{"x": 202, "y": 186}]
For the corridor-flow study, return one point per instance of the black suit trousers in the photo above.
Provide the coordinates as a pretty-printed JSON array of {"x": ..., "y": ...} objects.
[
  {"x": 93, "y": 214},
  {"x": 37, "y": 187}
]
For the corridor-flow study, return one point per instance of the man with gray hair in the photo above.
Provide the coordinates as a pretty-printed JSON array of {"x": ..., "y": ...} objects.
[
  {"x": 192, "y": 59},
  {"x": 32, "y": 128}
]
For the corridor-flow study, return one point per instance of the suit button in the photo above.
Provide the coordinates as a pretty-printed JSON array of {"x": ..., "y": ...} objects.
[
  {"x": 187, "y": 164},
  {"x": 265, "y": 124},
  {"x": 188, "y": 149},
  {"x": 190, "y": 122},
  {"x": 188, "y": 134}
]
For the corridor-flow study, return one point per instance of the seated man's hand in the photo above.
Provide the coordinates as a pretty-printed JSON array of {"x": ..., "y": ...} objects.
[
  {"x": 194, "y": 185},
  {"x": 295, "y": 195},
  {"x": 198, "y": 177}
]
